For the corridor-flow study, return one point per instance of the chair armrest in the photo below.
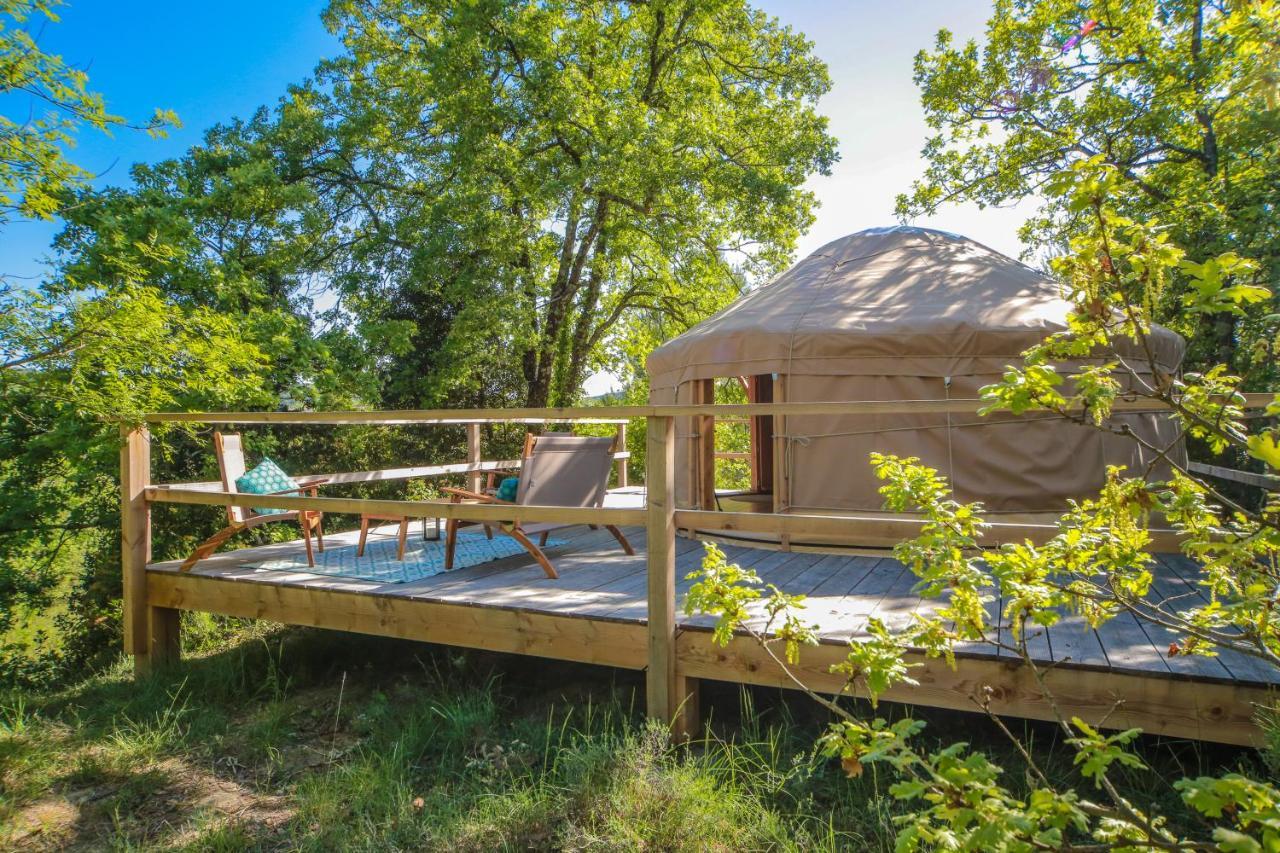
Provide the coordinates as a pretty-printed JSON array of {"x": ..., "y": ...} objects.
[
  {"x": 492, "y": 477},
  {"x": 463, "y": 494},
  {"x": 312, "y": 483}
]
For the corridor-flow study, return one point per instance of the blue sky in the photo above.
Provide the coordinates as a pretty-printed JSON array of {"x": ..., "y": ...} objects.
[
  {"x": 206, "y": 61},
  {"x": 212, "y": 61}
]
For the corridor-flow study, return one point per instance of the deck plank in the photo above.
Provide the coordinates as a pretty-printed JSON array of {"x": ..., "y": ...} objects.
[
  {"x": 771, "y": 567},
  {"x": 598, "y": 581},
  {"x": 586, "y": 555},
  {"x": 1179, "y": 579},
  {"x": 1128, "y": 648},
  {"x": 1164, "y": 638},
  {"x": 1072, "y": 640},
  {"x": 632, "y": 590},
  {"x": 820, "y": 568},
  {"x": 595, "y": 613},
  {"x": 863, "y": 602},
  {"x": 777, "y": 567}
]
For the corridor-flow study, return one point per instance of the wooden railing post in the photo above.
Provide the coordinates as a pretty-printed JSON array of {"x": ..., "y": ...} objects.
[
  {"x": 671, "y": 698},
  {"x": 473, "y": 455},
  {"x": 621, "y": 444},
  {"x": 151, "y": 634}
]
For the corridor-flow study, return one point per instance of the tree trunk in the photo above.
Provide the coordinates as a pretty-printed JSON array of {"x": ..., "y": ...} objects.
[
  {"x": 529, "y": 358},
  {"x": 588, "y": 305},
  {"x": 540, "y": 387},
  {"x": 557, "y": 349},
  {"x": 1223, "y": 326}
]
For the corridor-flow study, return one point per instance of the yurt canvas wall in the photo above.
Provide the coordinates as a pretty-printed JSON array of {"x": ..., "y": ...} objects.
[{"x": 900, "y": 314}]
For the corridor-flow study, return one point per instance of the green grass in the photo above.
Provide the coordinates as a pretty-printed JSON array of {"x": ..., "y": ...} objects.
[{"x": 288, "y": 739}]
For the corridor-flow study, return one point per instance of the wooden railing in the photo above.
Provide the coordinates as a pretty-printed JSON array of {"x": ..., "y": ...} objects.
[
  {"x": 1249, "y": 478},
  {"x": 151, "y": 633}
]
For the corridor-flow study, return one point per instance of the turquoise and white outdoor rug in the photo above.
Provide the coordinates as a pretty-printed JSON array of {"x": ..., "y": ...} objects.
[{"x": 422, "y": 559}]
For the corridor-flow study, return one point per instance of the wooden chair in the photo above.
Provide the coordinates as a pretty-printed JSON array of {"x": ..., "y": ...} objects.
[
  {"x": 230, "y": 452},
  {"x": 555, "y": 470}
]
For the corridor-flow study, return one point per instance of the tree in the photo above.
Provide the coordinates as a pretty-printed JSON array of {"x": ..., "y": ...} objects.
[
  {"x": 1178, "y": 96},
  {"x": 137, "y": 315},
  {"x": 548, "y": 173},
  {"x": 234, "y": 226}
]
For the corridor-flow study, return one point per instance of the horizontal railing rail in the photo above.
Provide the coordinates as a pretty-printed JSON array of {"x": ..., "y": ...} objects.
[
  {"x": 614, "y": 414},
  {"x": 516, "y": 513},
  {"x": 1249, "y": 478},
  {"x": 873, "y": 531},
  {"x": 386, "y": 475}
]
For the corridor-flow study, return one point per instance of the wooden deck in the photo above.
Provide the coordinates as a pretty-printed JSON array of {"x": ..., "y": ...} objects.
[
  {"x": 607, "y": 608},
  {"x": 596, "y": 613}
]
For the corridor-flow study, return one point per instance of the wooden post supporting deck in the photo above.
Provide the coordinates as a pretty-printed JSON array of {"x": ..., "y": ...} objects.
[
  {"x": 151, "y": 634},
  {"x": 671, "y": 697}
]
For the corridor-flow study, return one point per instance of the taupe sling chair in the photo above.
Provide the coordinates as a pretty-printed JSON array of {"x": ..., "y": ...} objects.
[
  {"x": 555, "y": 470},
  {"x": 230, "y": 453}
]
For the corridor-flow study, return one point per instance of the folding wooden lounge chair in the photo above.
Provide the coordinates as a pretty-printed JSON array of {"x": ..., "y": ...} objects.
[
  {"x": 230, "y": 453},
  {"x": 555, "y": 470}
]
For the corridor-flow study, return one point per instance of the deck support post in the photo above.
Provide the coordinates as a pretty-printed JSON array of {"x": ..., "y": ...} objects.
[
  {"x": 670, "y": 697},
  {"x": 621, "y": 444},
  {"x": 151, "y": 634}
]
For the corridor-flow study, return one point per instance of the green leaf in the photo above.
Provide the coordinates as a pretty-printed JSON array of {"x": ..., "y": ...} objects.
[{"x": 1264, "y": 446}]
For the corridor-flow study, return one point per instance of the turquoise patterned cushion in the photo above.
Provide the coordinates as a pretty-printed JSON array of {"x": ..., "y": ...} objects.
[
  {"x": 508, "y": 489},
  {"x": 265, "y": 479}
]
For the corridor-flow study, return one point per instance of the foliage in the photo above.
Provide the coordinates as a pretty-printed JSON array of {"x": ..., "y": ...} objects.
[
  {"x": 1178, "y": 98},
  {"x": 85, "y": 346},
  {"x": 562, "y": 175}
]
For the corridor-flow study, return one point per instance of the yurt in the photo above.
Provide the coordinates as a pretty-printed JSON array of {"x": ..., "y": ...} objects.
[{"x": 896, "y": 313}]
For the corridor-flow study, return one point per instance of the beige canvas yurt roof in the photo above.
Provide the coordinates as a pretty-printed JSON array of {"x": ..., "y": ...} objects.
[
  {"x": 904, "y": 314},
  {"x": 885, "y": 301}
]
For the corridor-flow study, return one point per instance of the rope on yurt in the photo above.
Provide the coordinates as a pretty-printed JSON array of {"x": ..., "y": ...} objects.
[
  {"x": 805, "y": 439},
  {"x": 951, "y": 465}
]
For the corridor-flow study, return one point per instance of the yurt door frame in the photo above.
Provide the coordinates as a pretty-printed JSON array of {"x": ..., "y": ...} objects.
[
  {"x": 768, "y": 443},
  {"x": 760, "y": 390}
]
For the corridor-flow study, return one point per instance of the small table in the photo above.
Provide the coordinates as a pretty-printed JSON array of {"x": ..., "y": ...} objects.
[{"x": 403, "y": 537}]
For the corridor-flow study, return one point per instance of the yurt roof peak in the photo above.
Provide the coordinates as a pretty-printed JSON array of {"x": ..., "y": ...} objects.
[{"x": 885, "y": 301}]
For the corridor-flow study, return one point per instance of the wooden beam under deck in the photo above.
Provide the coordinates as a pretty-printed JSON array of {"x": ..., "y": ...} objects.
[
  {"x": 1223, "y": 713},
  {"x": 493, "y": 629}
]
